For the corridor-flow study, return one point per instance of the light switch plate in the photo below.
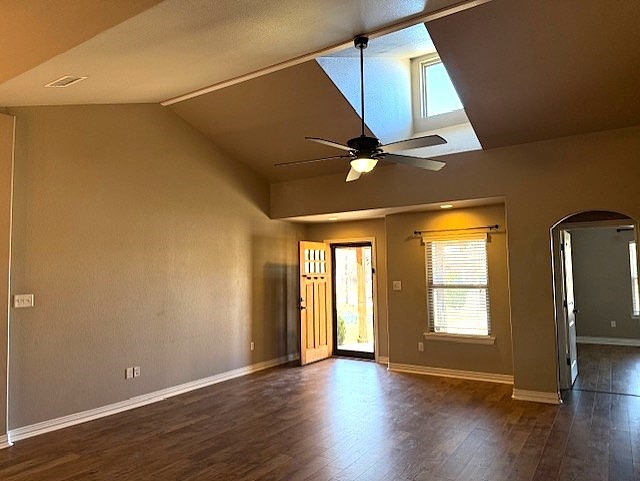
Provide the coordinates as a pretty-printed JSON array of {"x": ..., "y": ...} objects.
[
  {"x": 397, "y": 285},
  {"x": 23, "y": 300}
]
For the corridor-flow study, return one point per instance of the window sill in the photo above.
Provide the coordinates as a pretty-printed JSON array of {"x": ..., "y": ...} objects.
[{"x": 436, "y": 336}]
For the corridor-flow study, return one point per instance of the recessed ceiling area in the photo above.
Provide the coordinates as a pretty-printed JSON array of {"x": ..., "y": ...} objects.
[
  {"x": 394, "y": 90},
  {"x": 380, "y": 213}
]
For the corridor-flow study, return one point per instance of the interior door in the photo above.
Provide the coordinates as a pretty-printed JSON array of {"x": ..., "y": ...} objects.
[
  {"x": 315, "y": 302},
  {"x": 569, "y": 305}
]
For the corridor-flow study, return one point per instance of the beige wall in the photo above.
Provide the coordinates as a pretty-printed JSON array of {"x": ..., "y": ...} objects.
[
  {"x": 542, "y": 183},
  {"x": 408, "y": 307},
  {"x": 357, "y": 230},
  {"x": 143, "y": 245},
  {"x": 6, "y": 172},
  {"x": 602, "y": 282}
]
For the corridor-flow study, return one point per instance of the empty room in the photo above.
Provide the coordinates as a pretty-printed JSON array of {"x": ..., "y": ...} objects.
[{"x": 337, "y": 240}]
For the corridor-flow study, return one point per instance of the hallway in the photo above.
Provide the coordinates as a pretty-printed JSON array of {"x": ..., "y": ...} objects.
[{"x": 610, "y": 369}]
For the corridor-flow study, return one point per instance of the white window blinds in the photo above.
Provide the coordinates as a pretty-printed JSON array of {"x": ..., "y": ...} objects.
[{"x": 458, "y": 285}]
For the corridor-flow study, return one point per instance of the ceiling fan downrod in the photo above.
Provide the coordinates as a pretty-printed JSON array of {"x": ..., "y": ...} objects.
[{"x": 361, "y": 43}]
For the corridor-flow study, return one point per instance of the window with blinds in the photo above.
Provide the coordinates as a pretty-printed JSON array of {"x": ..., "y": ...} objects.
[{"x": 458, "y": 286}]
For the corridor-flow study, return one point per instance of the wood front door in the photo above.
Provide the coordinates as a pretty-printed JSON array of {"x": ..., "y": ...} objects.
[{"x": 316, "y": 339}]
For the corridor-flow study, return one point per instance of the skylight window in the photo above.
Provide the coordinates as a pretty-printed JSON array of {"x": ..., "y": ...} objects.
[
  {"x": 438, "y": 93},
  {"x": 435, "y": 102}
]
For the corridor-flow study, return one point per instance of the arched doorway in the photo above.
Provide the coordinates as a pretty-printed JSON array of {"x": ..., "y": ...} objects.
[{"x": 595, "y": 267}]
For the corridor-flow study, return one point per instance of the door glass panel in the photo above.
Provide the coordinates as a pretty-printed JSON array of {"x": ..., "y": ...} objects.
[{"x": 354, "y": 298}]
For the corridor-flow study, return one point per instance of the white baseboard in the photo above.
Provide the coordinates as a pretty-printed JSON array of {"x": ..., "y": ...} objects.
[
  {"x": 454, "y": 373},
  {"x": 4, "y": 441},
  {"x": 537, "y": 396},
  {"x": 612, "y": 341},
  {"x": 383, "y": 359},
  {"x": 139, "y": 401}
]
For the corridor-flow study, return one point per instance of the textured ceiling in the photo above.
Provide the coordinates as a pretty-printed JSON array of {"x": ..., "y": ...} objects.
[
  {"x": 530, "y": 70},
  {"x": 182, "y": 45},
  {"x": 33, "y": 31}
]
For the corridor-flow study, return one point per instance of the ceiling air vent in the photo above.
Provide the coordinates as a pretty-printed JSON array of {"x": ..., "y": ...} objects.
[{"x": 65, "y": 81}]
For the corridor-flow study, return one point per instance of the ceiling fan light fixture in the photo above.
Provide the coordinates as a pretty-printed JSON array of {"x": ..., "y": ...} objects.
[
  {"x": 364, "y": 150},
  {"x": 363, "y": 164}
]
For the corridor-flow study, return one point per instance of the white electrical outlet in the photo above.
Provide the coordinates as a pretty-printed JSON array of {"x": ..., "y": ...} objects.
[
  {"x": 136, "y": 371},
  {"x": 613, "y": 323},
  {"x": 128, "y": 373},
  {"x": 253, "y": 345},
  {"x": 421, "y": 346},
  {"x": 23, "y": 300},
  {"x": 397, "y": 285}
]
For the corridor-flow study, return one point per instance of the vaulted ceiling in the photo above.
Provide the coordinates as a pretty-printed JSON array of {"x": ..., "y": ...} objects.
[{"x": 526, "y": 70}]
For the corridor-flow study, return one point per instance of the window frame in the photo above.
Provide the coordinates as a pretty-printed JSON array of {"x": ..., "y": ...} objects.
[
  {"x": 422, "y": 122},
  {"x": 635, "y": 290},
  {"x": 431, "y": 333}
]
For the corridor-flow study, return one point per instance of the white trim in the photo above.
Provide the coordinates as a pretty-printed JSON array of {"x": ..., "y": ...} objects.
[
  {"x": 4, "y": 441},
  {"x": 139, "y": 401},
  {"x": 383, "y": 360},
  {"x": 463, "y": 338},
  {"x": 612, "y": 341},
  {"x": 536, "y": 396},
  {"x": 453, "y": 373}
]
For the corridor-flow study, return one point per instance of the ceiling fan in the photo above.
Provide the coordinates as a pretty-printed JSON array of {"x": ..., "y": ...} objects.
[{"x": 364, "y": 152}]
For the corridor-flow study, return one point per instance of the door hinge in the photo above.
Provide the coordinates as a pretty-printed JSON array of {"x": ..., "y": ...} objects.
[
  {"x": 564, "y": 303},
  {"x": 568, "y": 361}
]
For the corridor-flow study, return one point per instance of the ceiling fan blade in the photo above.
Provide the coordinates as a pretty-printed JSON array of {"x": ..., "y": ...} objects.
[
  {"x": 309, "y": 161},
  {"x": 353, "y": 175},
  {"x": 416, "y": 143},
  {"x": 330, "y": 143},
  {"x": 428, "y": 164}
]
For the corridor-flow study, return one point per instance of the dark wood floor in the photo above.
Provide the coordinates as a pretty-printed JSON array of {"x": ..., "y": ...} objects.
[
  {"x": 344, "y": 420},
  {"x": 612, "y": 369}
]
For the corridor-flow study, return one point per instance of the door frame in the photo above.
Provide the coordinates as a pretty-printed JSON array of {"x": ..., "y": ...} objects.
[
  {"x": 351, "y": 242},
  {"x": 564, "y": 371}
]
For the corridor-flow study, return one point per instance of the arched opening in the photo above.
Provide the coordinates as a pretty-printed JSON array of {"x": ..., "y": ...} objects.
[{"x": 595, "y": 273}]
